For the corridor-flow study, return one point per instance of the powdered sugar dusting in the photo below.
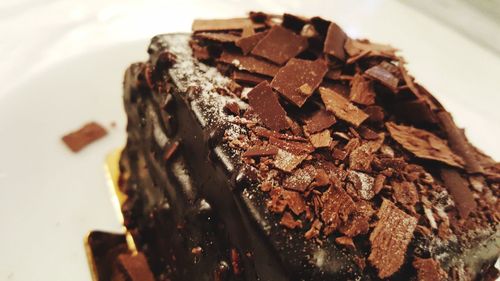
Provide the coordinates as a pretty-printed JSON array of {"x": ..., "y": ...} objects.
[{"x": 209, "y": 104}]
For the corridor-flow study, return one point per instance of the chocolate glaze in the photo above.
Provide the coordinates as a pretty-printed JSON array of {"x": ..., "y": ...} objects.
[{"x": 204, "y": 196}]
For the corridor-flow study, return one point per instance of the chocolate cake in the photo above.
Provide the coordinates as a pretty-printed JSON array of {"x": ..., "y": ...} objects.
[{"x": 279, "y": 148}]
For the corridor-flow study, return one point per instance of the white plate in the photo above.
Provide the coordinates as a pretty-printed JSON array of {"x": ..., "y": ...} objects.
[{"x": 50, "y": 198}]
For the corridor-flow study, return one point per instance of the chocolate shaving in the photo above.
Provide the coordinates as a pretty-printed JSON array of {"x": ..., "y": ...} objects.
[
  {"x": 279, "y": 45},
  {"x": 223, "y": 24},
  {"x": 341, "y": 107},
  {"x": 294, "y": 147},
  {"x": 424, "y": 144},
  {"x": 362, "y": 91},
  {"x": 314, "y": 231},
  {"x": 337, "y": 206},
  {"x": 84, "y": 136},
  {"x": 248, "y": 78},
  {"x": 429, "y": 270},
  {"x": 334, "y": 42},
  {"x": 458, "y": 143},
  {"x": 249, "y": 63},
  {"x": 356, "y": 47},
  {"x": 247, "y": 43},
  {"x": 265, "y": 103},
  {"x": 263, "y": 132},
  {"x": 260, "y": 150},
  {"x": 322, "y": 139},
  {"x": 459, "y": 190},
  {"x": 381, "y": 74},
  {"x": 300, "y": 179},
  {"x": 133, "y": 268},
  {"x": 363, "y": 183},
  {"x": 405, "y": 193},
  {"x": 362, "y": 156},
  {"x": 390, "y": 239},
  {"x": 320, "y": 120},
  {"x": 288, "y": 221},
  {"x": 298, "y": 79},
  {"x": 287, "y": 161},
  {"x": 219, "y": 37}
]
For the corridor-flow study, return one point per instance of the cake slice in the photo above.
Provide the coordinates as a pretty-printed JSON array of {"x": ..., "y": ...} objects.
[{"x": 278, "y": 148}]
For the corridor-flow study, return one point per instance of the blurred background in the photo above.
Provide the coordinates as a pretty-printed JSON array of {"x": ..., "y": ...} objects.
[{"x": 62, "y": 64}]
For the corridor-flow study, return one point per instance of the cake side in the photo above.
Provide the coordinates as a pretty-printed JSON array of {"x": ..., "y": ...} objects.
[{"x": 335, "y": 151}]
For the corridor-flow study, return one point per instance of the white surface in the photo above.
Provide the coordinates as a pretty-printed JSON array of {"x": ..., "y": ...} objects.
[{"x": 62, "y": 65}]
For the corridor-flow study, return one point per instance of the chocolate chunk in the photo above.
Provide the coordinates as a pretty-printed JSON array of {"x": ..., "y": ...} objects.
[
  {"x": 294, "y": 147},
  {"x": 84, "y": 136},
  {"x": 133, "y": 268},
  {"x": 260, "y": 150},
  {"x": 319, "y": 121},
  {"x": 429, "y": 270},
  {"x": 361, "y": 157},
  {"x": 390, "y": 239},
  {"x": 334, "y": 42},
  {"x": 247, "y": 43},
  {"x": 288, "y": 221},
  {"x": 219, "y": 37},
  {"x": 459, "y": 190},
  {"x": 363, "y": 183},
  {"x": 249, "y": 63},
  {"x": 337, "y": 206},
  {"x": 384, "y": 76},
  {"x": 405, "y": 193},
  {"x": 362, "y": 91},
  {"x": 321, "y": 139},
  {"x": 341, "y": 107},
  {"x": 265, "y": 103},
  {"x": 279, "y": 45},
  {"x": 424, "y": 144},
  {"x": 298, "y": 79},
  {"x": 287, "y": 161},
  {"x": 248, "y": 78},
  {"x": 223, "y": 24},
  {"x": 458, "y": 143},
  {"x": 300, "y": 179}
]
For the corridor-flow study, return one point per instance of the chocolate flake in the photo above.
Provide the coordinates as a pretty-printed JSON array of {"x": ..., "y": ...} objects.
[
  {"x": 390, "y": 239},
  {"x": 334, "y": 42},
  {"x": 362, "y": 91},
  {"x": 380, "y": 73},
  {"x": 424, "y": 144},
  {"x": 363, "y": 183},
  {"x": 429, "y": 270},
  {"x": 345, "y": 241},
  {"x": 249, "y": 63},
  {"x": 287, "y": 220},
  {"x": 287, "y": 161},
  {"x": 341, "y": 107},
  {"x": 357, "y": 47},
  {"x": 263, "y": 132},
  {"x": 279, "y": 45},
  {"x": 337, "y": 206},
  {"x": 134, "y": 267},
  {"x": 84, "y": 136},
  {"x": 362, "y": 156},
  {"x": 223, "y": 24},
  {"x": 265, "y": 103},
  {"x": 405, "y": 193},
  {"x": 300, "y": 179},
  {"x": 298, "y": 79},
  {"x": 320, "y": 120},
  {"x": 321, "y": 139},
  {"x": 249, "y": 78},
  {"x": 219, "y": 37},
  {"x": 247, "y": 44},
  {"x": 260, "y": 150},
  {"x": 459, "y": 190},
  {"x": 292, "y": 146},
  {"x": 314, "y": 231}
]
